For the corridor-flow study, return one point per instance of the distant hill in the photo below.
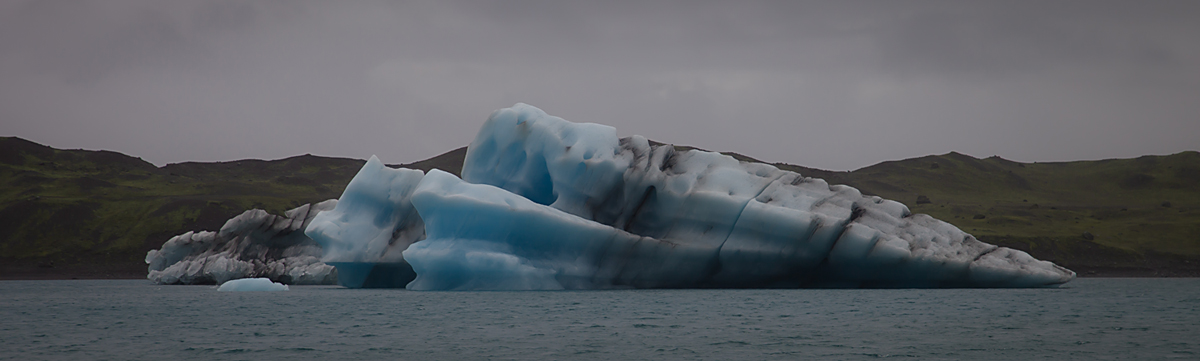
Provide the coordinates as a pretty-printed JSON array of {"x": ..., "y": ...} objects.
[
  {"x": 81, "y": 213},
  {"x": 77, "y": 213}
]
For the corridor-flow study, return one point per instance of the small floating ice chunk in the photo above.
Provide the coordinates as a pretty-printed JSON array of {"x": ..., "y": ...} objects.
[{"x": 252, "y": 284}]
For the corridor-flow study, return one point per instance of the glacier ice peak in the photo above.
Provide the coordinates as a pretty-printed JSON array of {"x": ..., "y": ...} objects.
[{"x": 549, "y": 204}]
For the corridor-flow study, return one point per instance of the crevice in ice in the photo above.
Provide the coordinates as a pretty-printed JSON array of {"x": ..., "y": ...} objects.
[
  {"x": 668, "y": 157},
  {"x": 984, "y": 253},
  {"x": 649, "y": 194},
  {"x": 738, "y": 217}
]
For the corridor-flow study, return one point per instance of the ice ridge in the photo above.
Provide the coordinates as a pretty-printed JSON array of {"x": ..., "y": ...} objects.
[{"x": 253, "y": 244}]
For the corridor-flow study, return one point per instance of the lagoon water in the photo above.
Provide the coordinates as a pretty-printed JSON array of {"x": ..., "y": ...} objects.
[{"x": 1088, "y": 319}]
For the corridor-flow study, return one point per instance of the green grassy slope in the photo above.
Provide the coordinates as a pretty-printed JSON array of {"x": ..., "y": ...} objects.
[{"x": 96, "y": 213}]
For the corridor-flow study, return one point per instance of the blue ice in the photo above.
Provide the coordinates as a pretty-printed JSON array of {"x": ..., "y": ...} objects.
[
  {"x": 549, "y": 204},
  {"x": 373, "y": 222}
]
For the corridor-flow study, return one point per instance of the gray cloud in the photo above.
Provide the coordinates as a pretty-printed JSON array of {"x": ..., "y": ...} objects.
[
  {"x": 1037, "y": 36},
  {"x": 837, "y": 85}
]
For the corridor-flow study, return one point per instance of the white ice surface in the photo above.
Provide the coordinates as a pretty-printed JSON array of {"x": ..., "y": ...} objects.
[{"x": 251, "y": 285}]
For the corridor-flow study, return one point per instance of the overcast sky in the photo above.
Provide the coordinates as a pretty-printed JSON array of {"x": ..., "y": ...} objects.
[{"x": 835, "y": 84}]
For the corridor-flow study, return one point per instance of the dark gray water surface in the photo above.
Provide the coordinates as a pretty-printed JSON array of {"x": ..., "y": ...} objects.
[{"x": 1088, "y": 319}]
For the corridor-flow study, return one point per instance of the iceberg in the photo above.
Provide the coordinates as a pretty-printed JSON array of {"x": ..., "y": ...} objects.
[
  {"x": 544, "y": 203},
  {"x": 253, "y": 244},
  {"x": 251, "y": 285},
  {"x": 373, "y": 222}
]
